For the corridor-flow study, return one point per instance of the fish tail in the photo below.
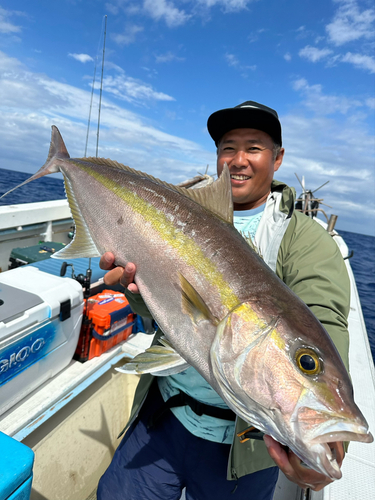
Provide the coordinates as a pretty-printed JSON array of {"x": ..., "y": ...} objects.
[{"x": 57, "y": 151}]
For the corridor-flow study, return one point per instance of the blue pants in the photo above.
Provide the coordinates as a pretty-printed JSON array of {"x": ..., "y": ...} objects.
[{"x": 157, "y": 463}]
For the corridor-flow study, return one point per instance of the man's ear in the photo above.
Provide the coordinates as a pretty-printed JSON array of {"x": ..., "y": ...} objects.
[{"x": 278, "y": 160}]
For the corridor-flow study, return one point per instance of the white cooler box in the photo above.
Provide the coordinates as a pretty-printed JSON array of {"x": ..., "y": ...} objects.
[{"x": 40, "y": 321}]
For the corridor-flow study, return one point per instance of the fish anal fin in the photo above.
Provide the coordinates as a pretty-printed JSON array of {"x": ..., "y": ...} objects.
[
  {"x": 193, "y": 304},
  {"x": 82, "y": 244}
]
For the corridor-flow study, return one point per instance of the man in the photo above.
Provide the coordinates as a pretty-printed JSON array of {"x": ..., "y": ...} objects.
[{"x": 167, "y": 447}]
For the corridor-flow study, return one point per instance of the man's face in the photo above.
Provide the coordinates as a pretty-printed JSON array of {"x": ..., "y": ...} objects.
[{"x": 249, "y": 155}]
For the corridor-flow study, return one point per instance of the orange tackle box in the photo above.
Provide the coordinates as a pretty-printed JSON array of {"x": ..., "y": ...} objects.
[{"x": 107, "y": 321}]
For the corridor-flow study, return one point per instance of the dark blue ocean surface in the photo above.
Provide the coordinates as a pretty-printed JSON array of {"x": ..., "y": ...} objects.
[
  {"x": 363, "y": 265},
  {"x": 362, "y": 262},
  {"x": 44, "y": 189}
]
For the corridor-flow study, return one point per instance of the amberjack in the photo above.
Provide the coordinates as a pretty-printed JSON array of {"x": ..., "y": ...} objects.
[{"x": 219, "y": 305}]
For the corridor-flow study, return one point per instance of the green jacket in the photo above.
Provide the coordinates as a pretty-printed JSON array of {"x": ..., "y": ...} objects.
[{"x": 308, "y": 260}]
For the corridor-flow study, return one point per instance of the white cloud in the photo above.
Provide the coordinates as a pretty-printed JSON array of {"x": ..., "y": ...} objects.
[
  {"x": 30, "y": 103},
  {"x": 350, "y": 23},
  {"x": 323, "y": 148},
  {"x": 5, "y": 25},
  {"x": 314, "y": 54},
  {"x": 234, "y": 62},
  {"x": 83, "y": 58},
  {"x": 168, "y": 57},
  {"x": 324, "y": 104},
  {"x": 112, "y": 9},
  {"x": 162, "y": 9},
  {"x": 132, "y": 90},
  {"x": 110, "y": 65},
  {"x": 303, "y": 32},
  {"x": 128, "y": 36},
  {"x": 287, "y": 57},
  {"x": 170, "y": 11},
  {"x": 319, "y": 146},
  {"x": 370, "y": 102},
  {"x": 360, "y": 61},
  {"x": 227, "y": 5},
  {"x": 9, "y": 64}
]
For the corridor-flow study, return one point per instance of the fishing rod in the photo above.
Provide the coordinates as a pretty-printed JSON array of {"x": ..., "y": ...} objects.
[
  {"x": 93, "y": 88},
  {"x": 101, "y": 87}
]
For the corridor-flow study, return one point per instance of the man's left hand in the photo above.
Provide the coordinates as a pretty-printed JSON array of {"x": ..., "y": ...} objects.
[{"x": 291, "y": 465}]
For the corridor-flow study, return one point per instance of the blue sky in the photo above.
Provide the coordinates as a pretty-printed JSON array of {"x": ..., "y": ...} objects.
[{"x": 170, "y": 63}]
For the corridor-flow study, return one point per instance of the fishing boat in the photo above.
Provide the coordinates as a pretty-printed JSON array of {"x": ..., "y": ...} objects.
[{"x": 72, "y": 419}]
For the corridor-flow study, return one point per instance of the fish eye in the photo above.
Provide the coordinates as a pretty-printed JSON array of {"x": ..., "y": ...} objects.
[{"x": 308, "y": 361}]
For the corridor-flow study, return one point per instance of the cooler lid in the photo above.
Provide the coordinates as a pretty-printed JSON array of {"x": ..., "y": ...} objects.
[
  {"x": 15, "y": 301},
  {"x": 16, "y": 465}
]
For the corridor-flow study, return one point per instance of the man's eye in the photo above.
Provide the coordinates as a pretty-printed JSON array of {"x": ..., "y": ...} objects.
[{"x": 254, "y": 148}]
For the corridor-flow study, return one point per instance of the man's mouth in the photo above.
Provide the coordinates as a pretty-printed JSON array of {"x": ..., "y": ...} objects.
[{"x": 239, "y": 177}]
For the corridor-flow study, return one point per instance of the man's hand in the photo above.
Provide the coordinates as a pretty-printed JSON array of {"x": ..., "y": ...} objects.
[
  {"x": 124, "y": 276},
  {"x": 291, "y": 465}
]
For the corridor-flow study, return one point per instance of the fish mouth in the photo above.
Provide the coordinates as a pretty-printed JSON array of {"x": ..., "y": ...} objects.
[
  {"x": 332, "y": 437},
  {"x": 346, "y": 432},
  {"x": 329, "y": 464},
  {"x": 340, "y": 429},
  {"x": 317, "y": 428}
]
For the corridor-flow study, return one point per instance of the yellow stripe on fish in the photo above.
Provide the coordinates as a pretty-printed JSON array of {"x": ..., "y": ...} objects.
[{"x": 187, "y": 249}]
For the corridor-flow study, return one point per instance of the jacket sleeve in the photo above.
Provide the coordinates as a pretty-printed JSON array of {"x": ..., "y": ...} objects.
[
  {"x": 137, "y": 304},
  {"x": 310, "y": 263}
]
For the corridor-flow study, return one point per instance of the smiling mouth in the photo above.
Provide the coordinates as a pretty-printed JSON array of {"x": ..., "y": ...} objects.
[{"x": 238, "y": 177}]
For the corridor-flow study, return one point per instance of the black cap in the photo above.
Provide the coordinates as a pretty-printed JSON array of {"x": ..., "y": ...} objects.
[{"x": 249, "y": 114}]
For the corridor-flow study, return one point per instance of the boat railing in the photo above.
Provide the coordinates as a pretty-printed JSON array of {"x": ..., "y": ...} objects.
[{"x": 27, "y": 224}]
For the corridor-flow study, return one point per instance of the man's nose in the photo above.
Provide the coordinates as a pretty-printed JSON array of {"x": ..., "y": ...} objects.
[{"x": 240, "y": 159}]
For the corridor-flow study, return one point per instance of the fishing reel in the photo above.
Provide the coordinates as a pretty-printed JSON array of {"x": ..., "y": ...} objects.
[{"x": 83, "y": 279}]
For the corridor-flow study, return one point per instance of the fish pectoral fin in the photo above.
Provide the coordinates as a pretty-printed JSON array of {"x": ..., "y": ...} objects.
[
  {"x": 158, "y": 360},
  {"x": 82, "y": 244},
  {"x": 193, "y": 304}
]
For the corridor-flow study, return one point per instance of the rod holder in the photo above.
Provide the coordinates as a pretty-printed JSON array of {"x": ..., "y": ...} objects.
[{"x": 331, "y": 223}]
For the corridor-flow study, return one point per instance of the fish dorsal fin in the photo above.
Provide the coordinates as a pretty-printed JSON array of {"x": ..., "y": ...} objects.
[
  {"x": 82, "y": 244},
  {"x": 110, "y": 163},
  {"x": 251, "y": 243},
  {"x": 216, "y": 197},
  {"x": 119, "y": 166}
]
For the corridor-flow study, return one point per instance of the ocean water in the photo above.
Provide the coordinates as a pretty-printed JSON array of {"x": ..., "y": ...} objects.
[
  {"x": 363, "y": 247},
  {"x": 44, "y": 189},
  {"x": 363, "y": 266}
]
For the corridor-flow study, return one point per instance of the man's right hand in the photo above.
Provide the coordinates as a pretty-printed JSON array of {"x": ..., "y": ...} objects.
[{"x": 124, "y": 276}]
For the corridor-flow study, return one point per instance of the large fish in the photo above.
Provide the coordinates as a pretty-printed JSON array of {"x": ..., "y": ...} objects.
[{"x": 220, "y": 306}]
